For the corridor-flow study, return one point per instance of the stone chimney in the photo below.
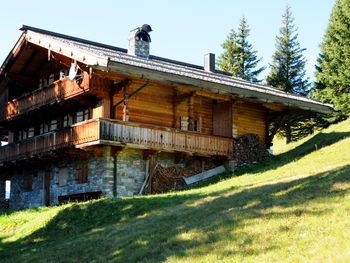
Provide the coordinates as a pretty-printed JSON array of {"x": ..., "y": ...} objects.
[
  {"x": 139, "y": 41},
  {"x": 209, "y": 62}
]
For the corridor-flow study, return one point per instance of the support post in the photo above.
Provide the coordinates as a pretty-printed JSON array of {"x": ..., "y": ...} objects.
[{"x": 190, "y": 113}]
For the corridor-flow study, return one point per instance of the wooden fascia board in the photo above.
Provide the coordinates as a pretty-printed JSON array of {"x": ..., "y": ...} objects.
[
  {"x": 65, "y": 50},
  {"x": 13, "y": 53},
  {"x": 238, "y": 91}
]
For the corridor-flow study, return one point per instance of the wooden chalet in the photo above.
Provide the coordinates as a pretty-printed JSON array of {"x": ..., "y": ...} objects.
[{"x": 83, "y": 119}]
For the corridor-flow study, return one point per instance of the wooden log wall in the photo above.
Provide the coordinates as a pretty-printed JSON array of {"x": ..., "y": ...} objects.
[
  {"x": 155, "y": 105},
  {"x": 248, "y": 118}
]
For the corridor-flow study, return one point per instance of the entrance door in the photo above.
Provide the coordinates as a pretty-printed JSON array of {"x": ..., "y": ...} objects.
[
  {"x": 222, "y": 119},
  {"x": 47, "y": 187}
]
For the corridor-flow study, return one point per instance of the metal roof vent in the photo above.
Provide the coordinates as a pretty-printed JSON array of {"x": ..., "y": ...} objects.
[{"x": 139, "y": 41}]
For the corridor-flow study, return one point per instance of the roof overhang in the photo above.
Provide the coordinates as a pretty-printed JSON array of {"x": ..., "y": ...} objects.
[{"x": 116, "y": 60}]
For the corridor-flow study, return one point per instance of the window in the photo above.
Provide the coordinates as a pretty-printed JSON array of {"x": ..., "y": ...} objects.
[
  {"x": 27, "y": 187},
  {"x": 184, "y": 123},
  {"x": 65, "y": 121},
  {"x": 82, "y": 174},
  {"x": 197, "y": 125},
  {"x": 82, "y": 115},
  {"x": 31, "y": 132},
  {"x": 41, "y": 129},
  {"x": 86, "y": 114},
  {"x": 53, "y": 125},
  {"x": 62, "y": 177}
]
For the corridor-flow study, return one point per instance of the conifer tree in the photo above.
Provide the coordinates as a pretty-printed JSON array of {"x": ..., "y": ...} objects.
[
  {"x": 238, "y": 56},
  {"x": 288, "y": 67},
  {"x": 333, "y": 64}
]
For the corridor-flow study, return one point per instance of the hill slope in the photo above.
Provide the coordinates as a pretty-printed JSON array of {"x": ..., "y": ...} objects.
[{"x": 294, "y": 208}]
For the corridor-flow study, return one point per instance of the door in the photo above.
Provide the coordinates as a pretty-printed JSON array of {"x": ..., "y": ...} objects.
[
  {"x": 47, "y": 187},
  {"x": 222, "y": 119}
]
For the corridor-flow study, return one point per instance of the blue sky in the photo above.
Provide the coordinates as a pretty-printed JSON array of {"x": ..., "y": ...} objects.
[{"x": 183, "y": 30}]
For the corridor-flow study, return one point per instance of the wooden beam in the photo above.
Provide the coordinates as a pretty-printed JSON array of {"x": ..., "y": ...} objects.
[{"x": 191, "y": 113}]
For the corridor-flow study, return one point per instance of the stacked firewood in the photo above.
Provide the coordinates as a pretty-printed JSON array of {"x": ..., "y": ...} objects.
[
  {"x": 165, "y": 179},
  {"x": 249, "y": 149}
]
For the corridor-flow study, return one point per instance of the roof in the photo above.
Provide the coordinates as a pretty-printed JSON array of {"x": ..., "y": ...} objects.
[{"x": 115, "y": 59}]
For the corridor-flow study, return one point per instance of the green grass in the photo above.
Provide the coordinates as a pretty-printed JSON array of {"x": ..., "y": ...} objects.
[{"x": 293, "y": 208}]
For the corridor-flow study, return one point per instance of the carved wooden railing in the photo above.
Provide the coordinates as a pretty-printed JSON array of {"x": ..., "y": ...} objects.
[
  {"x": 36, "y": 145},
  {"x": 58, "y": 91},
  {"x": 166, "y": 139},
  {"x": 105, "y": 131}
]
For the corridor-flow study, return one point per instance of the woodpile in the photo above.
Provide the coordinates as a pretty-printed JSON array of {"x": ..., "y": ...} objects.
[
  {"x": 249, "y": 149},
  {"x": 165, "y": 179}
]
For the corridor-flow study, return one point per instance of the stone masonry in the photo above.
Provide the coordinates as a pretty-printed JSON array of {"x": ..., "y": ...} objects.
[{"x": 130, "y": 175}]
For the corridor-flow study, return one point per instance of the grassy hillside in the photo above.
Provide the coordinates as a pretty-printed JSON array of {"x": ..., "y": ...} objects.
[{"x": 293, "y": 208}]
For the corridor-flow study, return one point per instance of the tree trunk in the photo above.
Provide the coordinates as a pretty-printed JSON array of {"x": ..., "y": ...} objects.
[{"x": 288, "y": 131}]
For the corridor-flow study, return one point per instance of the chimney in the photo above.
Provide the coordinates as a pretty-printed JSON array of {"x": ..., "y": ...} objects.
[
  {"x": 209, "y": 62},
  {"x": 139, "y": 41}
]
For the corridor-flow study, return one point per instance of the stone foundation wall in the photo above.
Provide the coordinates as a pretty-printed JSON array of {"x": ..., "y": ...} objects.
[
  {"x": 20, "y": 198},
  {"x": 100, "y": 178},
  {"x": 130, "y": 175},
  {"x": 130, "y": 172}
]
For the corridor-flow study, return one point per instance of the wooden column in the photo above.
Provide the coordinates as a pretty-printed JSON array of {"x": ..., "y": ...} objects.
[
  {"x": 126, "y": 105},
  {"x": 175, "y": 94},
  {"x": 190, "y": 113}
]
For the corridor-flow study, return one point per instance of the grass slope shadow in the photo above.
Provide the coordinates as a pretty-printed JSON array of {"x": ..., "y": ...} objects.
[{"x": 150, "y": 229}]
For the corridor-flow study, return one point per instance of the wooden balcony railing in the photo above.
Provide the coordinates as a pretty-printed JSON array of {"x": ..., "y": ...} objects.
[
  {"x": 58, "y": 91},
  {"x": 110, "y": 132}
]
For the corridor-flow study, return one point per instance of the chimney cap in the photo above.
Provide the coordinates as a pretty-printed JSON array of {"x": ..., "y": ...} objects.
[{"x": 147, "y": 28}]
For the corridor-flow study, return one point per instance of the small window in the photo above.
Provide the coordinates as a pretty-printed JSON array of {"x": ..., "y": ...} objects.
[
  {"x": 62, "y": 177},
  {"x": 197, "y": 125},
  {"x": 82, "y": 174},
  {"x": 80, "y": 116},
  {"x": 65, "y": 121},
  {"x": 53, "y": 125},
  {"x": 184, "y": 123},
  {"x": 27, "y": 187},
  {"x": 46, "y": 128},
  {"x": 86, "y": 114},
  {"x": 31, "y": 132},
  {"x": 24, "y": 134},
  {"x": 41, "y": 129}
]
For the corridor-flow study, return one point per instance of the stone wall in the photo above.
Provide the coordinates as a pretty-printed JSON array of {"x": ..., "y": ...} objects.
[
  {"x": 20, "y": 198},
  {"x": 130, "y": 175},
  {"x": 130, "y": 172},
  {"x": 100, "y": 177},
  {"x": 63, "y": 180}
]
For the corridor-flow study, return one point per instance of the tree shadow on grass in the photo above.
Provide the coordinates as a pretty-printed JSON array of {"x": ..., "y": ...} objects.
[{"x": 156, "y": 228}]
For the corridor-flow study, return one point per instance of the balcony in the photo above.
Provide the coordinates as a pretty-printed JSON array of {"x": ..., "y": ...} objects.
[
  {"x": 117, "y": 133},
  {"x": 58, "y": 91}
]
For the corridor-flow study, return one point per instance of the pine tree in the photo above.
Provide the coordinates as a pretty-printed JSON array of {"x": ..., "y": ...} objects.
[
  {"x": 288, "y": 67},
  {"x": 333, "y": 65},
  {"x": 238, "y": 57}
]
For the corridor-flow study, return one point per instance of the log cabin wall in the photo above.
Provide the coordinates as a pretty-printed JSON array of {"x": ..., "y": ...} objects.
[
  {"x": 247, "y": 118},
  {"x": 155, "y": 105},
  {"x": 152, "y": 105}
]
